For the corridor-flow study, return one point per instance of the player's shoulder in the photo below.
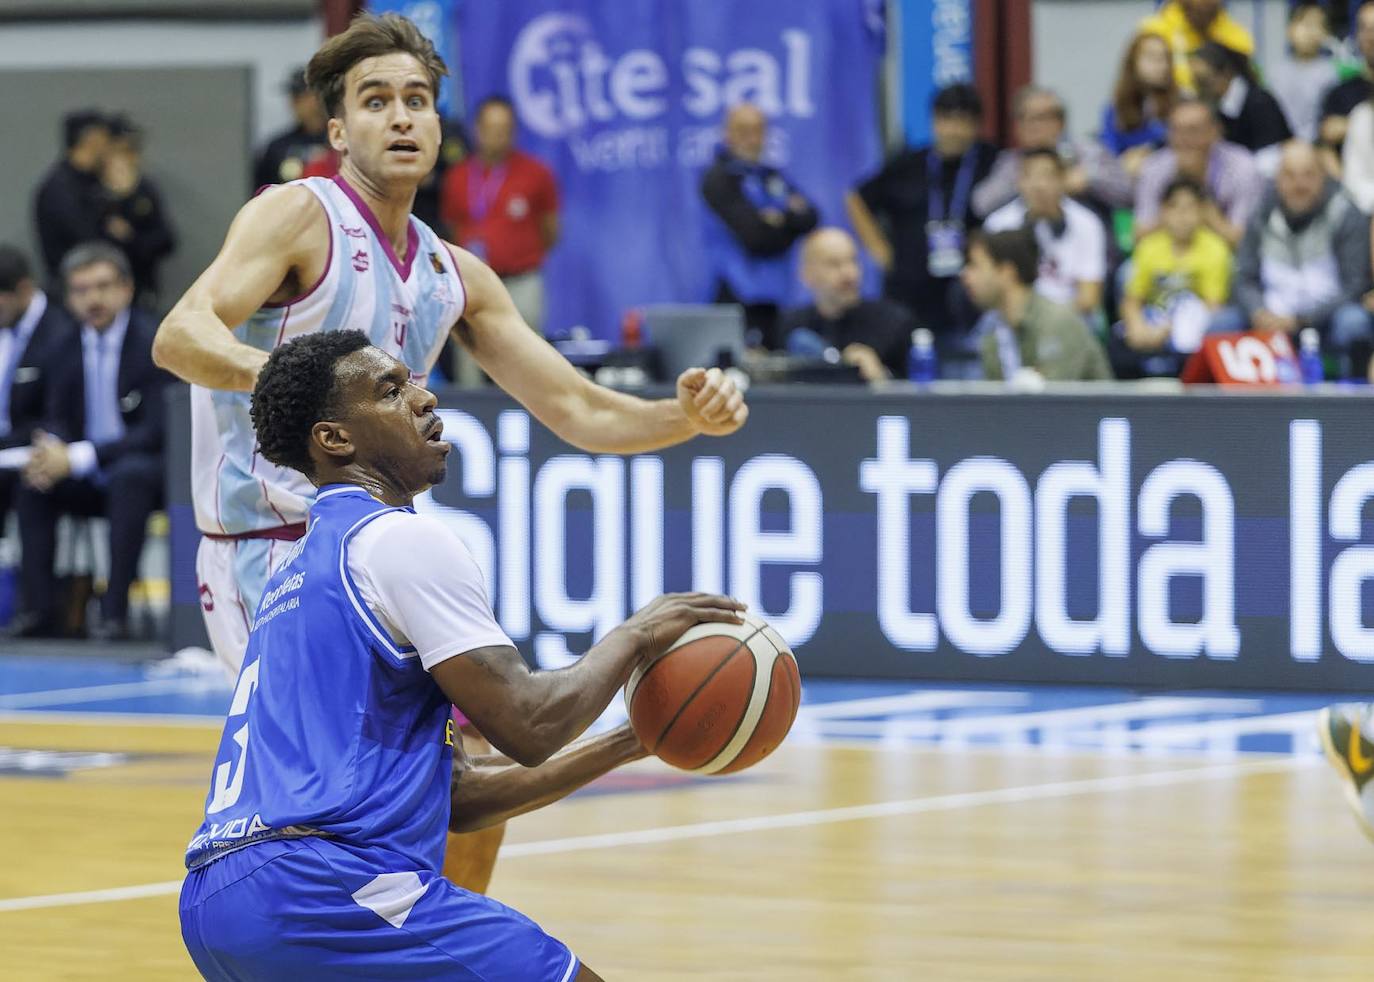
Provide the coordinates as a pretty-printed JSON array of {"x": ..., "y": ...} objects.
[
  {"x": 414, "y": 535},
  {"x": 284, "y": 213}
]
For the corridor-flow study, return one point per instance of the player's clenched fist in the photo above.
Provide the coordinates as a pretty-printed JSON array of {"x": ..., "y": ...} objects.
[{"x": 713, "y": 403}]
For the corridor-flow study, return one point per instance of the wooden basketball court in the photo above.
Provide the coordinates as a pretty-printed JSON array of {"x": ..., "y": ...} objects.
[{"x": 850, "y": 861}]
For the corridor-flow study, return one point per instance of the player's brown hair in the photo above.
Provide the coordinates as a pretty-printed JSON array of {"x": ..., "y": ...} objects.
[{"x": 368, "y": 36}]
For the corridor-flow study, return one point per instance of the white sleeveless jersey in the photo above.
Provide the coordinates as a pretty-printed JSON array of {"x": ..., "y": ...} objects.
[{"x": 407, "y": 309}]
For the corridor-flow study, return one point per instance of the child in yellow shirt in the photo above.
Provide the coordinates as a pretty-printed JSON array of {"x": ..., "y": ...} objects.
[{"x": 1181, "y": 275}]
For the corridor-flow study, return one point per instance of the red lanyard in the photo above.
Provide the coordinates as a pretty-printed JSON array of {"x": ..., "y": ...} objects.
[{"x": 483, "y": 190}]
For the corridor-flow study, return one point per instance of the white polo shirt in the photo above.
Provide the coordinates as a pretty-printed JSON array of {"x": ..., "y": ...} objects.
[{"x": 1077, "y": 255}]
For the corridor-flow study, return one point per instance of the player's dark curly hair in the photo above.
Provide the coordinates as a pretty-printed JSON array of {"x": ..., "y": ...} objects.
[{"x": 295, "y": 390}]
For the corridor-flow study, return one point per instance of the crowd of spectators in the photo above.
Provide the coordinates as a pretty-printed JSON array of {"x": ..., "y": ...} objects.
[
  {"x": 97, "y": 191},
  {"x": 1213, "y": 198}
]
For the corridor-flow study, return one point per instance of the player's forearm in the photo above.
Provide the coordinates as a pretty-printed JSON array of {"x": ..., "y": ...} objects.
[
  {"x": 561, "y": 704},
  {"x": 484, "y": 794},
  {"x": 198, "y": 348},
  {"x": 600, "y": 420}
]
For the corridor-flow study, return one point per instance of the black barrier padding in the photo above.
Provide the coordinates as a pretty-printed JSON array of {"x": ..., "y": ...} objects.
[{"x": 1212, "y": 540}]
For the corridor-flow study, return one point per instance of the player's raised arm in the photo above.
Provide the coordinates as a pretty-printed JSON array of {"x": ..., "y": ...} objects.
[
  {"x": 583, "y": 413},
  {"x": 530, "y": 715},
  {"x": 270, "y": 249},
  {"x": 488, "y": 790}
]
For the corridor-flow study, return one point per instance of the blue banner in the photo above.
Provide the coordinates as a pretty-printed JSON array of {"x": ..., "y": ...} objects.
[
  {"x": 435, "y": 19},
  {"x": 624, "y": 100},
  {"x": 937, "y": 50}
]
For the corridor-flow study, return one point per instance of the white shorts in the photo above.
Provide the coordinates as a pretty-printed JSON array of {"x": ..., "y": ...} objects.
[{"x": 231, "y": 575}]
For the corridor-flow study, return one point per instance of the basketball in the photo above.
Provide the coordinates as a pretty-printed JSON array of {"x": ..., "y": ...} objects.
[{"x": 719, "y": 700}]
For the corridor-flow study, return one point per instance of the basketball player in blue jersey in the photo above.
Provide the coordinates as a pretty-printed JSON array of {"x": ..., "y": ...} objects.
[
  {"x": 334, "y": 781},
  {"x": 322, "y": 255}
]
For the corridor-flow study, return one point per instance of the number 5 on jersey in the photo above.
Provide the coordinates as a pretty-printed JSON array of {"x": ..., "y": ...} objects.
[{"x": 227, "y": 788}]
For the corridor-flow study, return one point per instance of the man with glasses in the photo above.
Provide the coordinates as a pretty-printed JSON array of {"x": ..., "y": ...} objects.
[
  {"x": 1092, "y": 173},
  {"x": 1196, "y": 150},
  {"x": 99, "y": 452}
]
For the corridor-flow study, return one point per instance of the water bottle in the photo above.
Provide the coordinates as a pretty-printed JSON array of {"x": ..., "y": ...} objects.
[
  {"x": 1310, "y": 356},
  {"x": 920, "y": 363}
]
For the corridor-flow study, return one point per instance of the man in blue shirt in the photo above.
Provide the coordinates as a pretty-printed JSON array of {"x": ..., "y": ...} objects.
[{"x": 334, "y": 784}]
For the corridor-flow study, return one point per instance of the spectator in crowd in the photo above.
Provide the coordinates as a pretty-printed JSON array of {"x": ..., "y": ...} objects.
[
  {"x": 100, "y": 451},
  {"x": 1250, "y": 116},
  {"x": 135, "y": 219},
  {"x": 1341, "y": 100},
  {"x": 1196, "y": 150},
  {"x": 1072, "y": 241},
  {"x": 1188, "y": 24},
  {"x": 1307, "y": 70},
  {"x": 913, "y": 216},
  {"x": 502, "y": 204},
  {"x": 1092, "y": 172},
  {"x": 33, "y": 330},
  {"x": 1026, "y": 337},
  {"x": 874, "y": 335},
  {"x": 69, "y": 205},
  {"x": 453, "y": 150},
  {"x": 756, "y": 214},
  {"x": 1133, "y": 124},
  {"x": 285, "y": 156},
  {"x": 1305, "y": 259},
  {"x": 1357, "y": 155},
  {"x": 1180, "y": 277}
]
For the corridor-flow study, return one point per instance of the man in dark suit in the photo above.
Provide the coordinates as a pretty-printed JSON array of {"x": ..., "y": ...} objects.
[
  {"x": 100, "y": 452},
  {"x": 32, "y": 327}
]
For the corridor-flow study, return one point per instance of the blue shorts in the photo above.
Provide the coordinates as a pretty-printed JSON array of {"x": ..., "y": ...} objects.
[{"x": 303, "y": 909}]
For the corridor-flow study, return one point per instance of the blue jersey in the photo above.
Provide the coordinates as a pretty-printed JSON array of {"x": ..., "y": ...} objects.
[{"x": 333, "y": 730}]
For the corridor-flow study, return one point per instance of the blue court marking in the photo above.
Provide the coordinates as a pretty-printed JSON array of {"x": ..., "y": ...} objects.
[{"x": 892, "y": 714}]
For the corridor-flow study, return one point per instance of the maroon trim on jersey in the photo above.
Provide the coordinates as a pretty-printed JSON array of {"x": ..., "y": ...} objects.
[
  {"x": 282, "y": 533},
  {"x": 328, "y": 262},
  {"x": 462, "y": 284},
  {"x": 412, "y": 236}
]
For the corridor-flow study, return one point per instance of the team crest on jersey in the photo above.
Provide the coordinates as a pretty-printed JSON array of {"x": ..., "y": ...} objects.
[{"x": 436, "y": 262}]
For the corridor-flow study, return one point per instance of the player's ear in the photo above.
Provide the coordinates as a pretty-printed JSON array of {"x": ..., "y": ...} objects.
[
  {"x": 338, "y": 138},
  {"x": 333, "y": 439}
]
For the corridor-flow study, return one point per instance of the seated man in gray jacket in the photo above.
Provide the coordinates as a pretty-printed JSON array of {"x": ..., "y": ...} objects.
[{"x": 1304, "y": 260}]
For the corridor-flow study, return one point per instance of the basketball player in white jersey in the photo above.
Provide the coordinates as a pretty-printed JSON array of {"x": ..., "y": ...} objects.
[{"x": 319, "y": 255}]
